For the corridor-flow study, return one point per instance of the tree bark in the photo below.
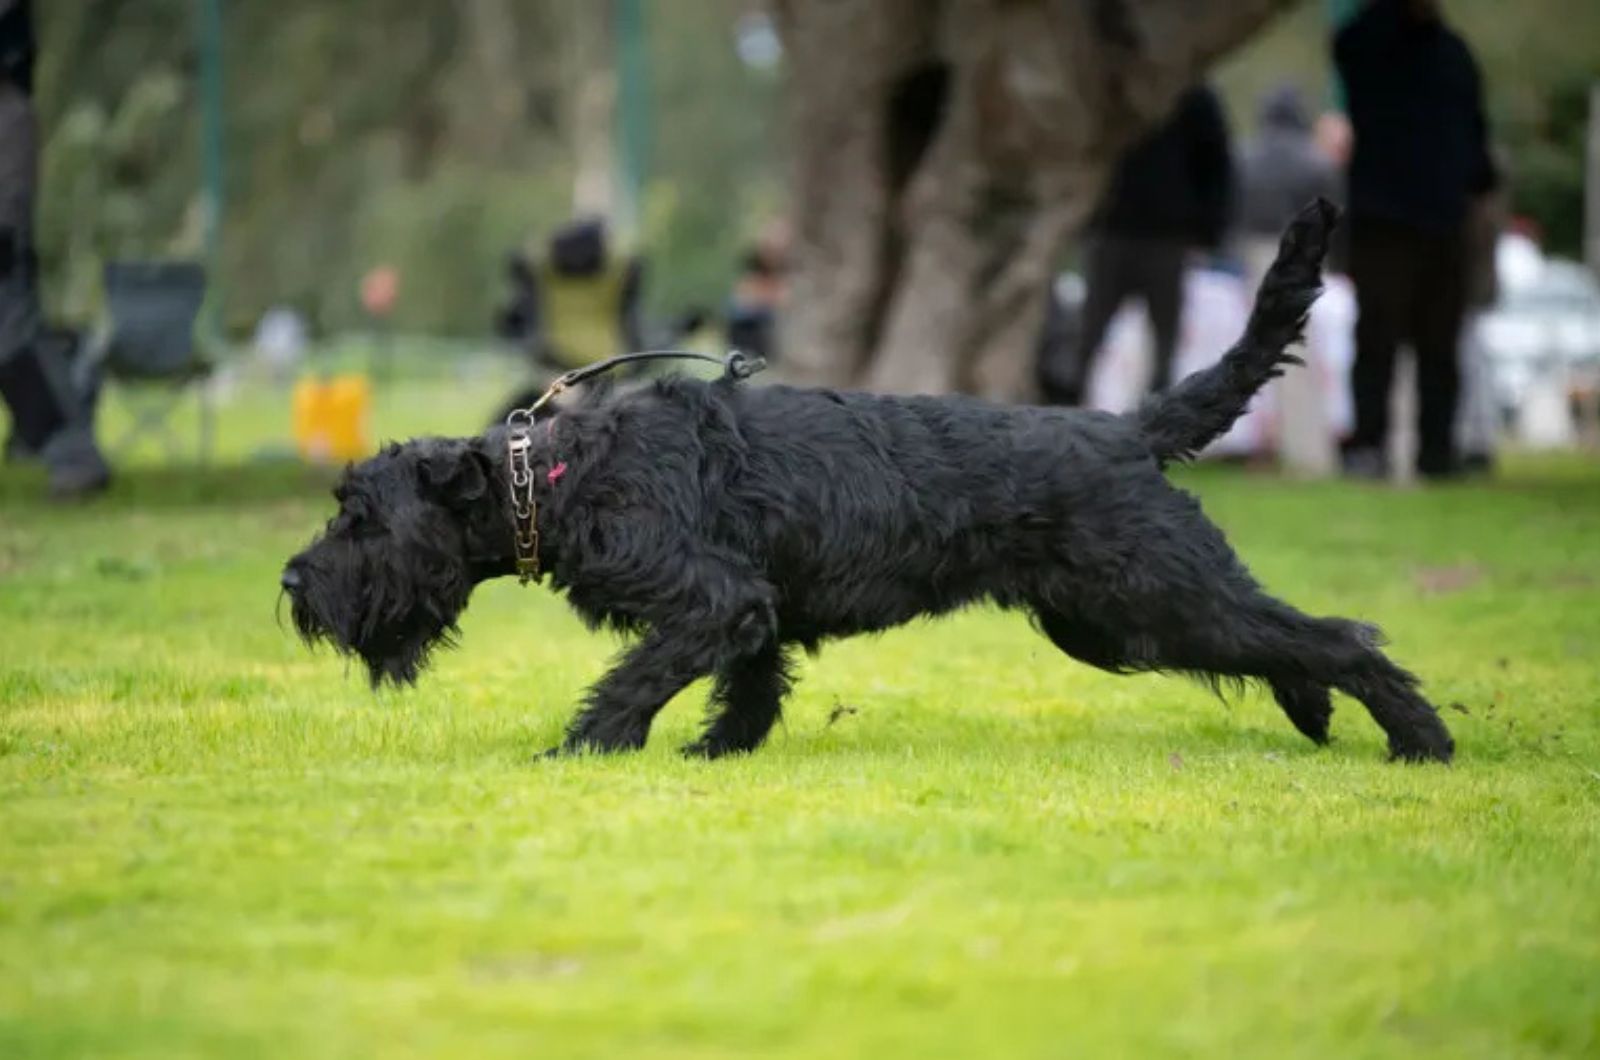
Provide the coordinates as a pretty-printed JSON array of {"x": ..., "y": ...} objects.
[
  {"x": 591, "y": 110},
  {"x": 927, "y": 234},
  {"x": 853, "y": 52}
]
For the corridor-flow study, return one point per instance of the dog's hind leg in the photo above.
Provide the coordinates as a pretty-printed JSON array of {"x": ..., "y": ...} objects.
[
  {"x": 1083, "y": 641},
  {"x": 1299, "y": 656},
  {"x": 1306, "y": 703},
  {"x": 1258, "y": 637},
  {"x": 1183, "y": 603},
  {"x": 1416, "y": 732},
  {"x": 746, "y": 702}
]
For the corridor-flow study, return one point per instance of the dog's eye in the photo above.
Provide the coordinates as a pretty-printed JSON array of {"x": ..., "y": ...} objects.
[
  {"x": 360, "y": 522},
  {"x": 355, "y": 507},
  {"x": 354, "y": 522}
]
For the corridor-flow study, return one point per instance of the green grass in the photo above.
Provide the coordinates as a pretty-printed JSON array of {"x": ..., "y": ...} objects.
[{"x": 215, "y": 843}]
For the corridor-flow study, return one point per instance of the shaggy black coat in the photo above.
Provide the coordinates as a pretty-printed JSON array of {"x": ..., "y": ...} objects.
[{"x": 724, "y": 524}]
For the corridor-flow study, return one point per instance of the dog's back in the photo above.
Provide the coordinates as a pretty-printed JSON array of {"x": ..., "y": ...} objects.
[
  {"x": 888, "y": 506},
  {"x": 866, "y": 510}
]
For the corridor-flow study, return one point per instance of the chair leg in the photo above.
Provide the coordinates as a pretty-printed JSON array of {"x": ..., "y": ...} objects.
[
  {"x": 171, "y": 441},
  {"x": 207, "y": 424},
  {"x": 150, "y": 418}
]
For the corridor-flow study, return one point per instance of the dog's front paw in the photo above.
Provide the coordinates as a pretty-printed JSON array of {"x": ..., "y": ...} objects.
[
  {"x": 582, "y": 743},
  {"x": 708, "y": 748},
  {"x": 572, "y": 747}
]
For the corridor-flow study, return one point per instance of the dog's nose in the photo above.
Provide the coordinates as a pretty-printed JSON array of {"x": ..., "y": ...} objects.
[{"x": 291, "y": 579}]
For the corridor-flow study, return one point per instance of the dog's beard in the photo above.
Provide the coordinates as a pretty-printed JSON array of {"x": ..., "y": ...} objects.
[{"x": 391, "y": 620}]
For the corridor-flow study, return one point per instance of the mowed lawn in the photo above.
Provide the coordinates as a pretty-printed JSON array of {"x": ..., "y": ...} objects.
[{"x": 960, "y": 843}]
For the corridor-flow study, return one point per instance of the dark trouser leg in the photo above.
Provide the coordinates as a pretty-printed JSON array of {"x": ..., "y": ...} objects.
[
  {"x": 50, "y": 416},
  {"x": 1161, "y": 282},
  {"x": 1106, "y": 279},
  {"x": 37, "y": 396},
  {"x": 36, "y": 414},
  {"x": 52, "y": 420},
  {"x": 1383, "y": 275},
  {"x": 1436, "y": 330}
]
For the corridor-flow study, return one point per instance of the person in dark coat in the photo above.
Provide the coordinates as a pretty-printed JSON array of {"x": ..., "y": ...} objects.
[
  {"x": 1281, "y": 168},
  {"x": 1170, "y": 195},
  {"x": 1421, "y": 158},
  {"x": 50, "y": 419}
]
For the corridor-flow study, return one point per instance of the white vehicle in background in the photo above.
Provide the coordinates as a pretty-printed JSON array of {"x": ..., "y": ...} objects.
[{"x": 1542, "y": 339}]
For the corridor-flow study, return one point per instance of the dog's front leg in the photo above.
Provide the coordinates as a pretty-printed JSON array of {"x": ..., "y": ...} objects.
[
  {"x": 746, "y": 702},
  {"x": 620, "y": 707}
]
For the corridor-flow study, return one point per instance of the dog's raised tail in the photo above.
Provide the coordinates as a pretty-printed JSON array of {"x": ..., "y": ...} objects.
[{"x": 1180, "y": 422}]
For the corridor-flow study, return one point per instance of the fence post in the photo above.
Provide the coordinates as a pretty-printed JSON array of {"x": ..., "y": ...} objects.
[
  {"x": 209, "y": 44},
  {"x": 1591, "y": 204}
]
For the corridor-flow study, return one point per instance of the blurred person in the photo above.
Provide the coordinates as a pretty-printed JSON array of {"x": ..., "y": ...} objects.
[
  {"x": 518, "y": 320},
  {"x": 1280, "y": 170},
  {"x": 1056, "y": 350},
  {"x": 1477, "y": 418},
  {"x": 1420, "y": 158},
  {"x": 578, "y": 303},
  {"x": 280, "y": 342},
  {"x": 759, "y": 293},
  {"x": 50, "y": 417},
  {"x": 1168, "y": 197},
  {"x": 1335, "y": 141},
  {"x": 1334, "y": 138}
]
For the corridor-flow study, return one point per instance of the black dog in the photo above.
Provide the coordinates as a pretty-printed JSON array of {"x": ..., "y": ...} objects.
[{"x": 724, "y": 524}]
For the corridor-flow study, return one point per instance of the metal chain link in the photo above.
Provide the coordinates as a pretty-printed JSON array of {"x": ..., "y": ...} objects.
[{"x": 524, "y": 510}]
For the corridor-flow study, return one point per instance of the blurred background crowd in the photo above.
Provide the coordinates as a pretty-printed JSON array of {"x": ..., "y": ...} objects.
[{"x": 228, "y": 194}]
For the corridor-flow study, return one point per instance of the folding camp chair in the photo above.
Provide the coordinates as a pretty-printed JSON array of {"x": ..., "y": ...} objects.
[{"x": 150, "y": 346}]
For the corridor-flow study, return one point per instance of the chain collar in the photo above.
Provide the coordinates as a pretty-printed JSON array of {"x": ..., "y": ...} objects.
[
  {"x": 519, "y": 442},
  {"x": 524, "y": 509}
]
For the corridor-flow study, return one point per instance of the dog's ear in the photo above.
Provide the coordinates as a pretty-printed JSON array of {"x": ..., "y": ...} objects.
[{"x": 453, "y": 475}]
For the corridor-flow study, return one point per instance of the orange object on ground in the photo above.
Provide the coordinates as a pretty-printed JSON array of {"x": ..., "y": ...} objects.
[{"x": 331, "y": 419}]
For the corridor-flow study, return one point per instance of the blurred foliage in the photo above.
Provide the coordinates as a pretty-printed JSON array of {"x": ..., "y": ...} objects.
[
  {"x": 433, "y": 137},
  {"x": 437, "y": 137},
  {"x": 716, "y": 159}
]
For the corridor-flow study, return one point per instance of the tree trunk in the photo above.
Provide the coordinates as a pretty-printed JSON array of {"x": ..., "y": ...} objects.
[
  {"x": 842, "y": 195},
  {"x": 592, "y": 107},
  {"x": 944, "y": 151}
]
